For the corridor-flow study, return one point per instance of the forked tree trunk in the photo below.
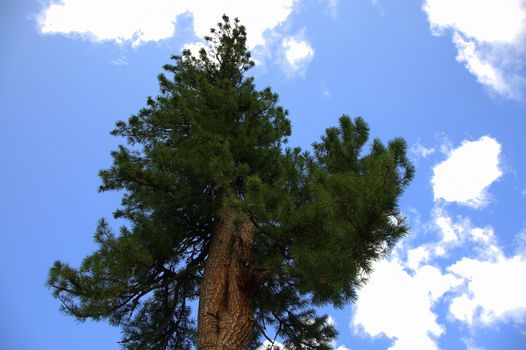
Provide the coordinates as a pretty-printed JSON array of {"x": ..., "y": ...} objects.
[{"x": 225, "y": 319}]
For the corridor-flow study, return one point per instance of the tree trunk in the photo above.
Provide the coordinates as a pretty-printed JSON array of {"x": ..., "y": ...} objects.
[{"x": 225, "y": 318}]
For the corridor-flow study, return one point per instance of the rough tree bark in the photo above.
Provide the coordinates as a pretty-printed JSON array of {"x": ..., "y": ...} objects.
[{"x": 225, "y": 319}]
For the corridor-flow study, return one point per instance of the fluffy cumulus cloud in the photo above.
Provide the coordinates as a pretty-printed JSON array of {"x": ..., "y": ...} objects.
[
  {"x": 458, "y": 271},
  {"x": 394, "y": 291},
  {"x": 494, "y": 284},
  {"x": 298, "y": 53},
  {"x": 467, "y": 173},
  {"x": 495, "y": 290},
  {"x": 139, "y": 21},
  {"x": 482, "y": 289},
  {"x": 142, "y": 21},
  {"x": 490, "y": 37}
]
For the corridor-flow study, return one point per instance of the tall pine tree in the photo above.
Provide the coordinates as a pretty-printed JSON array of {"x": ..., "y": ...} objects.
[{"x": 217, "y": 210}]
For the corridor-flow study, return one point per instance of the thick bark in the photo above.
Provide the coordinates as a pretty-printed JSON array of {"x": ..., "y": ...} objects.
[{"x": 225, "y": 319}]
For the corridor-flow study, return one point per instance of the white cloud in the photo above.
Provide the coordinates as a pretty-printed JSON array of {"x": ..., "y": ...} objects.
[
  {"x": 460, "y": 265},
  {"x": 494, "y": 285},
  {"x": 378, "y": 311},
  {"x": 194, "y": 47},
  {"x": 271, "y": 346},
  {"x": 117, "y": 20},
  {"x": 489, "y": 36},
  {"x": 468, "y": 172},
  {"x": 489, "y": 20},
  {"x": 446, "y": 145},
  {"x": 417, "y": 256},
  {"x": 446, "y": 227},
  {"x": 257, "y": 16},
  {"x": 460, "y": 233},
  {"x": 142, "y": 21},
  {"x": 420, "y": 151},
  {"x": 495, "y": 290},
  {"x": 481, "y": 67},
  {"x": 298, "y": 53},
  {"x": 484, "y": 288},
  {"x": 138, "y": 21}
]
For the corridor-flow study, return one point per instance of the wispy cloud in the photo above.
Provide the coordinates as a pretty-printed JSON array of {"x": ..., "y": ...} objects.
[
  {"x": 490, "y": 37},
  {"x": 418, "y": 151},
  {"x": 121, "y": 61},
  {"x": 470, "y": 344},
  {"x": 325, "y": 91},
  {"x": 332, "y": 6}
]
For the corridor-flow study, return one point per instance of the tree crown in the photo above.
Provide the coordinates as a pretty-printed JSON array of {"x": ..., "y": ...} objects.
[{"x": 211, "y": 141}]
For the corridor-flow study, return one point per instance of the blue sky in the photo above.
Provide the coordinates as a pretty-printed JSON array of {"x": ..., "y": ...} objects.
[{"x": 447, "y": 75}]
